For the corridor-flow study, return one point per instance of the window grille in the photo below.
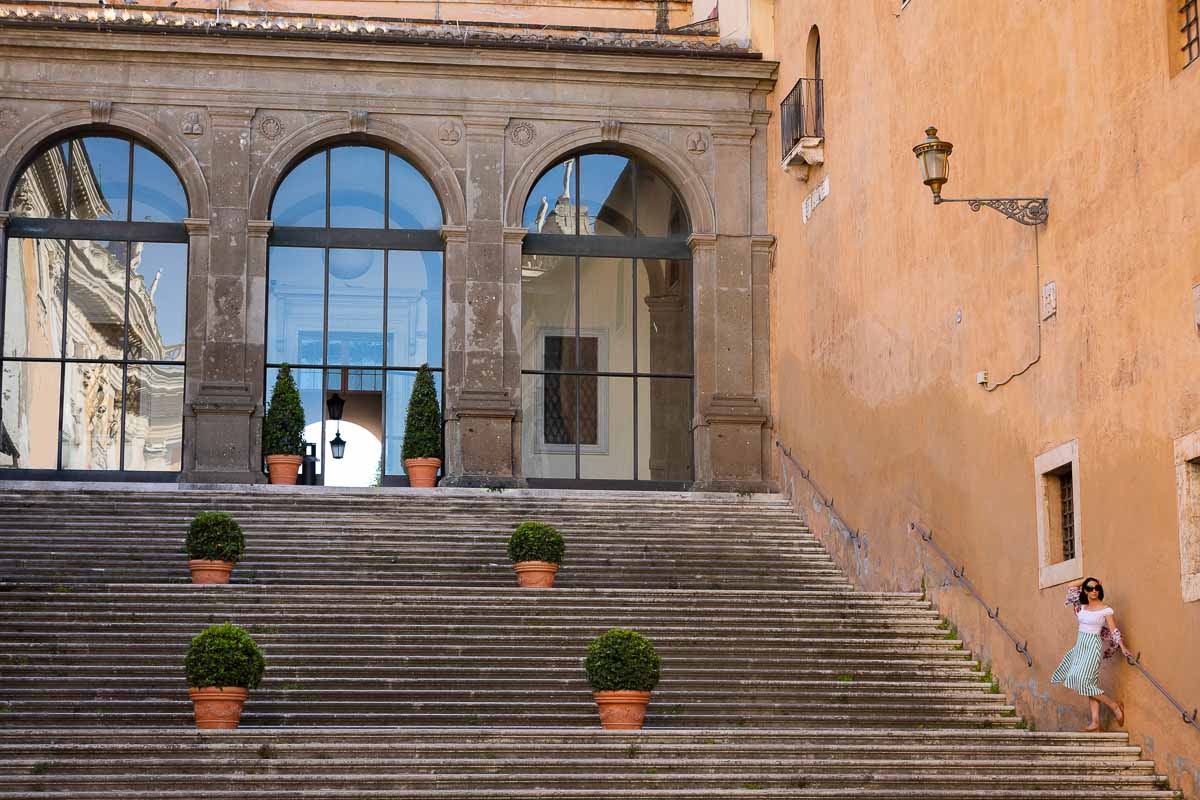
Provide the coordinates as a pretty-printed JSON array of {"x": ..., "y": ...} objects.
[
  {"x": 1066, "y": 495},
  {"x": 1191, "y": 30}
]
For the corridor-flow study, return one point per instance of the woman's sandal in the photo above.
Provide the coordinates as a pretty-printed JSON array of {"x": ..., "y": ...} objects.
[{"x": 1090, "y": 729}]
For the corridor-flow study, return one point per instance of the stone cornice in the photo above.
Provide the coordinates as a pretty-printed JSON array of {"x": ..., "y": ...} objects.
[
  {"x": 226, "y": 117},
  {"x": 454, "y": 233},
  {"x": 733, "y": 134},
  {"x": 762, "y": 243},
  {"x": 702, "y": 241},
  {"x": 4, "y": 216},
  {"x": 515, "y": 235}
]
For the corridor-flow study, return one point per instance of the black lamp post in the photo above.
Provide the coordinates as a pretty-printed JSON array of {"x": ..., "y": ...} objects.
[{"x": 335, "y": 405}]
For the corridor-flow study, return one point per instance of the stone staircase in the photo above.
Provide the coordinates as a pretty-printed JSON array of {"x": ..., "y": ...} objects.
[{"x": 404, "y": 663}]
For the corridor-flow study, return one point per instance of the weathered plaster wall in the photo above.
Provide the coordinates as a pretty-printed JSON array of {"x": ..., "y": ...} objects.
[{"x": 874, "y": 373}]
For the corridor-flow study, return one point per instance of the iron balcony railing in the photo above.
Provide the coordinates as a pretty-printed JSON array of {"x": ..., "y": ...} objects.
[{"x": 803, "y": 112}]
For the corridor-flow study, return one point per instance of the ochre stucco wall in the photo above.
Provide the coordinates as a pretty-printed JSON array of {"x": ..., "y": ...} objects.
[{"x": 874, "y": 379}]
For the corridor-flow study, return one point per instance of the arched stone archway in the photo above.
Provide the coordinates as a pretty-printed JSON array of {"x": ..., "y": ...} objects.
[
  {"x": 421, "y": 152},
  {"x": 673, "y": 165},
  {"x": 30, "y": 140}
]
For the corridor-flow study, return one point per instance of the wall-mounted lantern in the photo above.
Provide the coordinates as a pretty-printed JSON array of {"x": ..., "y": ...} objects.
[{"x": 934, "y": 156}]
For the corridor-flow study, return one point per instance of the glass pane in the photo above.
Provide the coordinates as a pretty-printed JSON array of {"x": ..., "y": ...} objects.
[
  {"x": 659, "y": 210},
  {"x": 414, "y": 308},
  {"x": 412, "y": 202},
  {"x": 606, "y": 195},
  {"x": 158, "y": 194},
  {"x": 41, "y": 191},
  {"x": 96, "y": 299},
  {"x": 606, "y": 407},
  {"x": 606, "y": 310},
  {"x": 308, "y": 382},
  {"x": 300, "y": 198},
  {"x": 355, "y": 307},
  {"x": 295, "y": 305},
  {"x": 664, "y": 429},
  {"x": 91, "y": 424},
  {"x": 356, "y": 187},
  {"x": 548, "y": 409},
  {"x": 33, "y": 297},
  {"x": 333, "y": 380},
  {"x": 549, "y": 208},
  {"x": 664, "y": 316},
  {"x": 100, "y": 167},
  {"x": 29, "y": 415},
  {"x": 399, "y": 390},
  {"x": 361, "y": 429},
  {"x": 157, "y": 301},
  {"x": 547, "y": 304},
  {"x": 154, "y": 418}
]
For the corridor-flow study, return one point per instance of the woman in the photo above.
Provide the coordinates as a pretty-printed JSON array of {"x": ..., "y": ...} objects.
[{"x": 1098, "y": 637}]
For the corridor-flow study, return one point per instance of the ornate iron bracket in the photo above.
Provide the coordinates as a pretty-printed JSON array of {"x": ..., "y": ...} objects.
[{"x": 1025, "y": 210}]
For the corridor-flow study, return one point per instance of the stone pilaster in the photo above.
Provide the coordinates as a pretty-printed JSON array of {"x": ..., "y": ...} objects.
[
  {"x": 223, "y": 413},
  {"x": 480, "y": 383}
]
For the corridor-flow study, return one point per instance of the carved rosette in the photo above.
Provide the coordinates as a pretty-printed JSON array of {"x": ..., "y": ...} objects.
[
  {"x": 449, "y": 133},
  {"x": 522, "y": 134},
  {"x": 271, "y": 128}
]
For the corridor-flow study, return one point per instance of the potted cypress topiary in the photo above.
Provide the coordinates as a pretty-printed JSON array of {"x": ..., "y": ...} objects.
[
  {"x": 223, "y": 663},
  {"x": 214, "y": 544},
  {"x": 423, "y": 432},
  {"x": 536, "y": 550},
  {"x": 623, "y": 669},
  {"x": 283, "y": 430}
]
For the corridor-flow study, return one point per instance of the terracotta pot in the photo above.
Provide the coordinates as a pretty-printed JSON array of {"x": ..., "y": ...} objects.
[
  {"x": 218, "y": 706},
  {"x": 284, "y": 470},
  {"x": 422, "y": 472},
  {"x": 535, "y": 574},
  {"x": 206, "y": 570},
  {"x": 622, "y": 710}
]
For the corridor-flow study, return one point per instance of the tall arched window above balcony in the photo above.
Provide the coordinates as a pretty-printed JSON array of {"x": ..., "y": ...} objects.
[
  {"x": 355, "y": 300},
  {"x": 606, "y": 305},
  {"x": 94, "y": 311}
]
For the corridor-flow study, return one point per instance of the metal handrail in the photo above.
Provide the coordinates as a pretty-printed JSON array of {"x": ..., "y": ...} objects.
[
  {"x": 1192, "y": 719},
  {"x": 802, "y": 112},
  {"x": 1189, "y": 719},
  {"x": 961, "y": 574}
]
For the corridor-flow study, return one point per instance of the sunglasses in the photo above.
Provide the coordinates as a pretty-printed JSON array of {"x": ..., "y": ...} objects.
[{"x": 1091, "y": 588}]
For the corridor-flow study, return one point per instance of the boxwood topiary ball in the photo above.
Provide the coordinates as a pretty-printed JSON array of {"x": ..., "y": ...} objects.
[
  {"x": 215, "y": 536},
  {"x": 224, "y": 655},
  {"x": 622, "y": 660},
  {"x": 535, "y": 541}
]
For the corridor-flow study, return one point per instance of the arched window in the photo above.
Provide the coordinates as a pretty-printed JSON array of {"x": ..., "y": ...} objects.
[
  {"x": 94, "y": 310},
  {"x": 606, "y": 306},
  {"x": 812, "y": 60},
  {"x": 354, "y": 300}
]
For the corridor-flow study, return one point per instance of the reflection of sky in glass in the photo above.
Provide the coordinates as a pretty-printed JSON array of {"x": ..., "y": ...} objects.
[
  {"x": 300, "y": 198},
  {"x": 598, "y": 176},
  {"x": 356, "y": 187},
  {"x": 169, "y": 263},
  {"x": 108, "y": 160},
  {"x": 550, "y": 187},
  {"x": 356, "y": 307},
  {"x": 158, "y": 195},
  {"x": 414, "y": 308},
  {"x": 411, "y": 200},
  {"x": 295, "y": 304}
]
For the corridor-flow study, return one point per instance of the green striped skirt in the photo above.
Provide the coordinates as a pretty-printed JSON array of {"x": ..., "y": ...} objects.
[{"x": 1080, "y": 670}]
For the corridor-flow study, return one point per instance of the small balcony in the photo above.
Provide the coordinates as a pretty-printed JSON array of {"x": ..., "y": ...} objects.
[{"x": 802, "y": 123}]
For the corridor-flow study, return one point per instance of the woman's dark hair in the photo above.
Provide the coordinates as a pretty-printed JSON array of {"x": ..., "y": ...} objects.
[{"x": 1091, "y": 582}]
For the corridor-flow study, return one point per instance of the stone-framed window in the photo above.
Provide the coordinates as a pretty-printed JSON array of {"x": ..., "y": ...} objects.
[
  {"x": 574, "y": 407},
  {"x": 1060, "y": 545},
  {"x": 1187, "y": 487}
]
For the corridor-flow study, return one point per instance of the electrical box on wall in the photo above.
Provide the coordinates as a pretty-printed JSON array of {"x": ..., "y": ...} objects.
[{"x": 1049, "y": 300}]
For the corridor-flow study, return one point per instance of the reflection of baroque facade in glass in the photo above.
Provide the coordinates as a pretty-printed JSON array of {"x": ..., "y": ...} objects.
[{"x": 93, "y": 369}]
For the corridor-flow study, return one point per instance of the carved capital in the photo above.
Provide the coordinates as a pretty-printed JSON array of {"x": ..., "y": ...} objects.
[
  {"x": 515, "y": 235},
  {"x": 4, "y": 215},
  {"x": 224, "y": 398},
  {"x": 742, "y": 409},
  {"x": 454, "y": 233},
  {"x": 475, "y": 403},
  {"x": 762, "y": 243},
  {"x": 702, "y": 241},
  {"x": 259, "y": 228},
  {"x": 733, "y": 135},
  {"x": 197, "y": 226}
]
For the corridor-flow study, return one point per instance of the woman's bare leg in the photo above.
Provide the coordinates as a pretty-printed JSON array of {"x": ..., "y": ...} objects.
[
  {"x": 1112, "y": 706},
  {"x": 1094, "y": 703}
]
